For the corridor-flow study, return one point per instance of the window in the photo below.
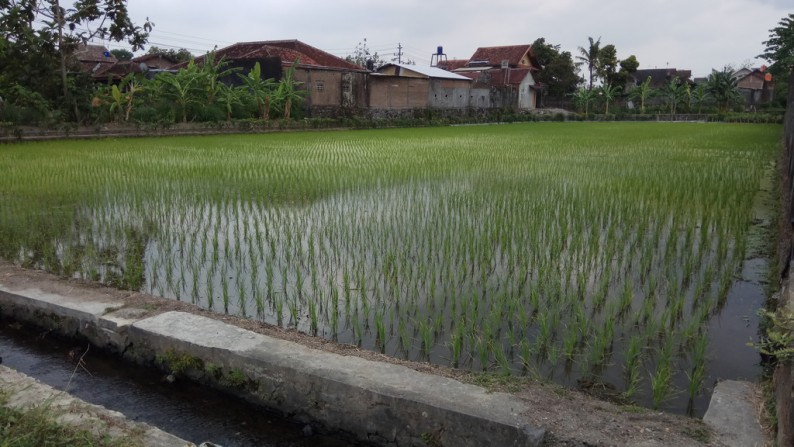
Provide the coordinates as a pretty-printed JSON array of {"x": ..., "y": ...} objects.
[{"x": 319, "y": 86}]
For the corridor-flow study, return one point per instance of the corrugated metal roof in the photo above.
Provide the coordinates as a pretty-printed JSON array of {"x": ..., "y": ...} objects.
[{"x": 430, "y": 72}]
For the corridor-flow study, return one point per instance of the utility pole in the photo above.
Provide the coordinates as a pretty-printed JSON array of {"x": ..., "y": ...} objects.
[{"x": 399, "y": 53}]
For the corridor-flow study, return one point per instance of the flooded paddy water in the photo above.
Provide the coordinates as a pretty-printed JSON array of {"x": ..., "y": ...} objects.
[{"x": 613, "y": 265}]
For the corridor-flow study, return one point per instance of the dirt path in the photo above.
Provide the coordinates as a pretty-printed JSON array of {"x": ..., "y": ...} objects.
[{"x": 570, "y": 417}]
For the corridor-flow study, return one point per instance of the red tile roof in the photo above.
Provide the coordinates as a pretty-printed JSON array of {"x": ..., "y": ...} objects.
[
  {"x": 495, "y": 55},
  {"x": 453, "y": 64},
  {"x": 514, "y": 76},
  {"x": 117, "y": 70},
  {"x": 289, "y": 51},
  {"x": 161, "y": 60}
]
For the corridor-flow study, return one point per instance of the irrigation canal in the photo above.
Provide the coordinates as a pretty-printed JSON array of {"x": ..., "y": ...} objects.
[{"x": 188, "y": 410}]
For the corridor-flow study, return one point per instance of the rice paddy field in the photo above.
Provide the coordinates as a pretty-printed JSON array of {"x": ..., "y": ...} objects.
[{"x": 602, "y": 253}]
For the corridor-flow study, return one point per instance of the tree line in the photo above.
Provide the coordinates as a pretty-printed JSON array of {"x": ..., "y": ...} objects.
[
  {"x": 199, "y": 92},
  {"x": 41, "y": 81}
]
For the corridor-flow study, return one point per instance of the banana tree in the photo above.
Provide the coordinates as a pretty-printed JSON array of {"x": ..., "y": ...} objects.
[
  {"x": 261, "y": 90},
  {"x": 229, "y": 97},
  {"x": 583, "y": 97},
  {"x": 211, "y": 74},
  {"x": 700, "y": 96},
  {"x": 116, "y": 102},
  {"x": 608, "y": 93},
  {"x": 133, "y": 87},
  {"x": 674, "y": 92},
  {"x": 182, "y": 86},
  {"x": 643, "y": 93},
  {"x": 287, "y": 91}
]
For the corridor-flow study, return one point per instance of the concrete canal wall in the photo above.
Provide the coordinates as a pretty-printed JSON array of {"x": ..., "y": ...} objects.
[{"x": 377, "y": 402}]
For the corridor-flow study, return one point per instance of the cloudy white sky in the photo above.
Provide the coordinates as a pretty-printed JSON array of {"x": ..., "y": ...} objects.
[{"x": 685, "y": 34}]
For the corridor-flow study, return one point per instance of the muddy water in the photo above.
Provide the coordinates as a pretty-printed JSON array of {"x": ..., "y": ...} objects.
[{"x": 187, "y": 410}]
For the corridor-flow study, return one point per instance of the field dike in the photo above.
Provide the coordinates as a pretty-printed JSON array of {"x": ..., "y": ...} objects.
[{"x": 375, "y": 402}]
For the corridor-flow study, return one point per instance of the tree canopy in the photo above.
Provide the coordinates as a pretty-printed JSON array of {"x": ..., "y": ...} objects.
[
  {"x": 559, "y": 71},
  {"x": 180, "y": 55},
  {"x": 39, "y": 37},
  {"x": 780, "y": 47},
  {"x": 122, "y": 54},
  {"x": 362, "y": 54},
  {"x": 589, "y": 56}
]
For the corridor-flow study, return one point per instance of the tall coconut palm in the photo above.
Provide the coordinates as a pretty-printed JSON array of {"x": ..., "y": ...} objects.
[{"x": 589, "y": 56}]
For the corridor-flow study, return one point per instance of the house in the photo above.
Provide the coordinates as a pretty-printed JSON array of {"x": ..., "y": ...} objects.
[
  {"x": 331, "y": 83},
  {"x": 756, "y": 85},
  {"x": 94, "y": 59},
  {"x": 507, "y": 73},
  {"x": 399, "y": 86},
  {"x": 156, "y": 61},
  {"x": 660, "y": 77}
]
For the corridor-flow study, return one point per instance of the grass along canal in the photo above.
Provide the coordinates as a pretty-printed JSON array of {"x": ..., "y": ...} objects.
[{"x": 599, "y": 254}]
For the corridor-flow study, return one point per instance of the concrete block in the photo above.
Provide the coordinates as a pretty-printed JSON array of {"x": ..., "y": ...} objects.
[
  {"x": 374, "y": 401},
  {"x": 733, "y": 414}
]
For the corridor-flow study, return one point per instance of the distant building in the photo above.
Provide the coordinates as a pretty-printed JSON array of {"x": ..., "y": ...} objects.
[
  {"x": 756, "y": 85},
  {"x": 506, "y": 72},
  {"x": 662, "y": 76},
  {"x": 94, "y": 59},
  {"x": 398, "y": 86},
  {"x": 330, "y": 82},
  {"x": 156, "y": 61}
]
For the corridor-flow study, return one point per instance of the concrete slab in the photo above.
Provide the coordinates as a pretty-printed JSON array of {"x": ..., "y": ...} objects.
[
  {"x": 733, "y": 414},
  {"x": 24, "y": 392},
  {"x": 68, "y": 306},
  {"x": 379, "y": 402}
]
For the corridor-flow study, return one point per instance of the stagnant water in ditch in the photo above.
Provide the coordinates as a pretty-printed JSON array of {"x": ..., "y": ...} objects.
[{"x": 188, "y": 410}]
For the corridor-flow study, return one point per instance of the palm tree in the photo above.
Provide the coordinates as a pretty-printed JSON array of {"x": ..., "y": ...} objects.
[
  {"x": 589, "y": 56},
  {"x": 721, "y": 85}
]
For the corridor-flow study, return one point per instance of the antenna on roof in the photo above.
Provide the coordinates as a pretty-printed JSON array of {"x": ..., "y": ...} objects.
[{"x": 436, "y": 59}]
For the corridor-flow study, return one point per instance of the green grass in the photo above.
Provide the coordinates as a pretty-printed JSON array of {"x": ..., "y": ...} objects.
[
  {"x": 36, "y": 427},
  {"x": 482, "y": 247}
]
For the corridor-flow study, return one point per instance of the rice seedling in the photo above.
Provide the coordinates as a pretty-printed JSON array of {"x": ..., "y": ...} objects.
[
  {"x": 660, "y": 380},
  {"x": 500, "y": 248}
]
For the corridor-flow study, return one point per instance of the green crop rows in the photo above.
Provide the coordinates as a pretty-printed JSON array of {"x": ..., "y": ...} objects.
[{"x": 577, "y": 247}]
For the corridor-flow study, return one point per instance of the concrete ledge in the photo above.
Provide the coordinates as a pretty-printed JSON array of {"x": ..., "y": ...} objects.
[
  {"x": 377, "y": 402},
  {"x": 733, "y": 416},
  {"x": 25, "y": 393}
]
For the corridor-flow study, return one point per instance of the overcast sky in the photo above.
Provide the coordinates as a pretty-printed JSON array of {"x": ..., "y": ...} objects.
[{"x": 684, "y": 34}]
